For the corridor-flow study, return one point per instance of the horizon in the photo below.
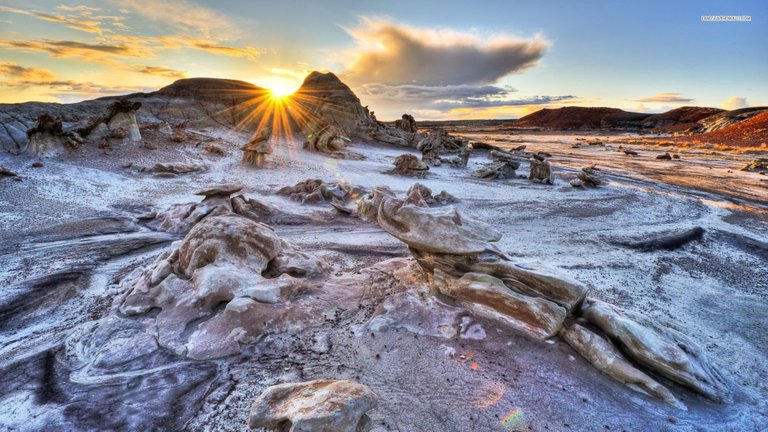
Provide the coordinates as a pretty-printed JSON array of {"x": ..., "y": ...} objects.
[{"x": 457, "y": 62}]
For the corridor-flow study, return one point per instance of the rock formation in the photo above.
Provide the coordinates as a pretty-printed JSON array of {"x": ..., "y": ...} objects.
[
  {"x": 222, "y": 259},
  {"x": 460, "y": 261},
  {"x": 406, "y": 123},
  {"x": 314, "y": 406},
  {"x": 258, "y": 147},
  {"x": 460, "y": 160},
  {"x": 409, "y": 165},
  {"x": 587, "y": 177},
  {"x": 541, "y": 170},
  {"x": 47, "y": 138},
  {"x": 316, "y": 191},
  {"x": 328, "y": 139}
]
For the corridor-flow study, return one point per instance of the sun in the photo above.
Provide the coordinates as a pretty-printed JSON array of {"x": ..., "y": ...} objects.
[{"x": 280, "y": 88}]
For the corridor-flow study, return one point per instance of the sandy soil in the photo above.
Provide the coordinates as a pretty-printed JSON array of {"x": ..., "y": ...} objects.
[{"x": 469, "y": 378}]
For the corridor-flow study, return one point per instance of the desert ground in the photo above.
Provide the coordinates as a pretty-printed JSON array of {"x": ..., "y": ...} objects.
[{"x": 78, "y": 232}]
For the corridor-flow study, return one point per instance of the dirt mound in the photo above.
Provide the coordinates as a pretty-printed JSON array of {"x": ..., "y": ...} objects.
[
  {"x": 748, "y": 133},
  {"x": 210, "y": 88},
  {"x": 581, "y": 118}
]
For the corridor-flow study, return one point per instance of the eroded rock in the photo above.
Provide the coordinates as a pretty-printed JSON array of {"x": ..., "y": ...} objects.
[
  {"x": 409, "y": 165},
  {"x": 258, "y": 147},
  {"x": 314, "y": 406},
  {"x": 663, "y": 350},
  {"x": 407, "y": 123},
  {"x": 541, "y": 171}
]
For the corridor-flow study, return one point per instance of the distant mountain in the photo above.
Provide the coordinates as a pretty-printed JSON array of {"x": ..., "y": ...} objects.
[{"x": 585, "y": 118}]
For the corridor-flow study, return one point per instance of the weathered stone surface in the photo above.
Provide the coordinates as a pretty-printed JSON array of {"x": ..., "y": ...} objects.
[
  {"x": 173, "y": 168},
  {"x": 409, "y": 165},
  {"x": 460, "y": 160},
  {"x": 425, "y": 194},
  {"x": 541, "y": 171},
  {"x": 222, "y": 260},
  {"x": 314, "y": 406},
  {"x": 437, "y": 230},
  {"x": 607, "y": 359},
  {"x": 497, "y": 171},
  {"x": 660, "y": 349},
  {"x": 5, "y": 172},
  {"x": 328, "y": 139},
  {"x": 316, "y": 191},
  {"x": 490, "y": 297},
  {"x": 757, "y": 165},
  {"x": 257, "y": 147},
  {"x": 368, "y": 205}
]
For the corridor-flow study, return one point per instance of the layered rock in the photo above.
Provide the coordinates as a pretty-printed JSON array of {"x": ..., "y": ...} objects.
[
  {"x": 327, "y": 139},
  {"x": 314, "y": 406},
  {"x": 255, "y": 151},
  {"x": 459, "y": 261},
  {"x": 47, "y": 137}
]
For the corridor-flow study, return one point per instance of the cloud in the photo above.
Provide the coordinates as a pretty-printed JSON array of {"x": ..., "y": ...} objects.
[
  {"x": 87, "y": 51},
  {"x": 16, "y": 72},
  {"x": 82, "y": 18},
  {"x": 394, "y": 54},
  {"x": 43, "y": 81},
  {"x": 735, "y": 102},
  {"x": 162, "y": 71},
  {"x": 449, "y": 105},
  {"x": 412, "y": 92},
  {"x": 183, "y": 15},
  {"x": 666, "y": 97}
]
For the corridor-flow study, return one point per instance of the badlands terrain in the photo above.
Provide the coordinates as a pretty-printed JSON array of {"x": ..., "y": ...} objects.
[{"x": 195, "y": 258}]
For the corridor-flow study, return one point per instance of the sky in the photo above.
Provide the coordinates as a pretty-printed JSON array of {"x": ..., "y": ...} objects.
[{"x": 434, "y": 59}]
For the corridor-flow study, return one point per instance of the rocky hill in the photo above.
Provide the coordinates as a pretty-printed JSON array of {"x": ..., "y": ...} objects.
[{"x": 689, "y": 118}]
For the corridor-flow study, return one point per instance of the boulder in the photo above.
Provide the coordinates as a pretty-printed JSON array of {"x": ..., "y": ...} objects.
[
  {"x": 409, "y": 165},
  {"x": 47, "y": 137},
  {"x": 497, "y": 170},
  {"x": 314, "y": 406},
  {"x": 328, "y": 139}
]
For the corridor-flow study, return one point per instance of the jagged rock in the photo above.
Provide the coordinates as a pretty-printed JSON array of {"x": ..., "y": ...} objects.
[
  {"x": 541, "y": 171},
  {"x": 587, "y": 177},
  {"x": 660, "y": 349},
  {"x": 409, "y": 165},
  {"x": 314, "y": 406},
  {"x": 425, "y": 194},
  {"x": 459, "y": 161},
  {"x": 431, "y": 146},
  {"x": 317, "y": 191},
  {"x": 627, "y": 152},
  {"x": 368, "y": 205},
  {"x": 259, "y": 146},
  {"x": 407, "y": 123},
  {"x": 607, "y": 359},
  {"x": 665, "y": 156},
  {"x": 261, "y": 212},
  {"x": 497, "y": 170}
]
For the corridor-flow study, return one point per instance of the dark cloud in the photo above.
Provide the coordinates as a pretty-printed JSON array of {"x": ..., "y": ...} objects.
[
  {"x": 490, "y": 103},
  {"x": 394, "y": 54},
  {"x": 664, "y": 98},
  {"x": 412, "y": 92}
]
